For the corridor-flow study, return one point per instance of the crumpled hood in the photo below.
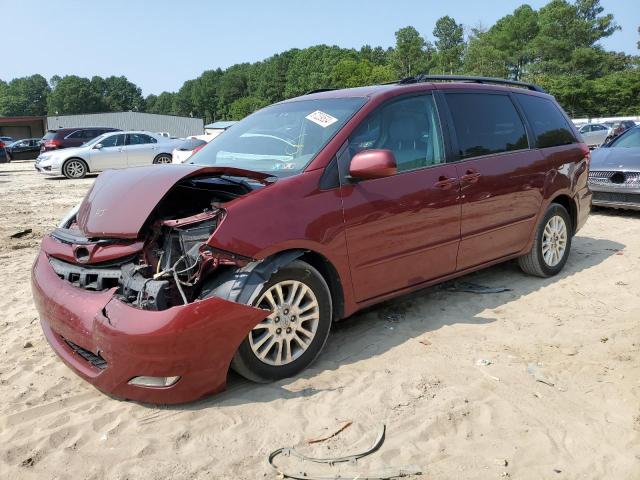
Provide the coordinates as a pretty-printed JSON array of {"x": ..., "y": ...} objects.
[
  {"x": 615, "y": 159},
  {"x": 120, "y": 201}
]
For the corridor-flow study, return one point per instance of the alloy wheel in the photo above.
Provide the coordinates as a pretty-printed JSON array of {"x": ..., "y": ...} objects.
[
  {"x": 75, "y": 169},
  {"x": 163, "y": 159},
  {"x": 554, "y": 240},
  {"x": 288, "y": 331}
]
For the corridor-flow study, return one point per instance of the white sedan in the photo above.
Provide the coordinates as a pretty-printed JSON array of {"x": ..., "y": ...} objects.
[
  {"x": 189, "y": 146},
  {"x": 110, "y": 150}
]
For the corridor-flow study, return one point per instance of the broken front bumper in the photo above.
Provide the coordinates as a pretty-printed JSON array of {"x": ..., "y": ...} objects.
[{"x": 108, "y": 343}]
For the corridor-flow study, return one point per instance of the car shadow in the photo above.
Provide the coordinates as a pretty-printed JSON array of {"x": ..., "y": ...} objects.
[
  {"x": 615, "y": 212},
  {"x": 387, "y": 325},
  {"x": 63, "y": 178}
]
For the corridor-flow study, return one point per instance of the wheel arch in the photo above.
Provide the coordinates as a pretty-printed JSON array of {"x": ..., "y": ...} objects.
[
  {"x": 570, "y": 205},
  {"x": 242, "y": 284}
]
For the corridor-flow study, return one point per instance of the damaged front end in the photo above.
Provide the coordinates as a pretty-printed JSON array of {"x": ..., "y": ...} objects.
[
  {"x": 130, "y": 310},
  {"x": 168, "y": 262}
]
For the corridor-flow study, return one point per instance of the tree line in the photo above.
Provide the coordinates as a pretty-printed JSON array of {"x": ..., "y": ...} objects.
[{"x": 557, "y": 47}]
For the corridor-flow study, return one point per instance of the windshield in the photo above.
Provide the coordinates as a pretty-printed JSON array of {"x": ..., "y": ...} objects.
[
  {"x": 631, "y": 139},
  {"x": 282, "y": 139}
]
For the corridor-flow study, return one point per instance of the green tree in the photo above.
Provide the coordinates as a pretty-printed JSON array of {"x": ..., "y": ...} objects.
[
  {"x": 24, "y": 96},
  {"x": 351, "y": 73},
  {"x": 483, "y": 58},
  {"x": 412, "y": 54},
  {"x": 312, "y": 68},
  {"x": 162, "y": 104},
  {"x": 121, "y": 95},
  {"x": 244, "y": 106},
  {"x": 449, "y": 44},
  {"x": 565, "y": 27},
  {"x": 73, "y": 94}
]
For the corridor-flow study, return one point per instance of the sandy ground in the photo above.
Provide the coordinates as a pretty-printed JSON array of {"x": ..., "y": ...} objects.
[{"x": 411, "y": 364}]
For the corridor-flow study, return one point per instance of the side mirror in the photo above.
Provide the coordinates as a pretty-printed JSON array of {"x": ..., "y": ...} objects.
[
  {"x": 98, "y": 146},
  {"x": 370, "y": 164}
]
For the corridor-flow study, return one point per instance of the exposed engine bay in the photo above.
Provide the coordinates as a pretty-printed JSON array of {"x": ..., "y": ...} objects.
[{"x": 174, "y": 260}]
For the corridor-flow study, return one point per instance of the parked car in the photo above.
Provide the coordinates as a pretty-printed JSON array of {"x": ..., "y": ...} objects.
[
  {"x": 617, "y": 128},
  {"x": 189, "y": 146},
  {"x": 300, "y": 215},
  {"x": 594, "y": 134},
  {"x": 614, "y": 175},
  {"x": 6, "y": 140},
  {"x": 110, "y": 150},
  {"x": 25, "y": 149},
  {"x": 3, "y": 152},
  {"x": 71, "y": 137}
]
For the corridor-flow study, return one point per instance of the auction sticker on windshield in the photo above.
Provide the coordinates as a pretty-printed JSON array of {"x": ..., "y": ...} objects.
[{"x": 321, "y": 118}]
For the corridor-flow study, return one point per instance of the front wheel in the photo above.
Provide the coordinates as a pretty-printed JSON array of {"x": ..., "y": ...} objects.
[
  {"x": 74, "y": 168},
  {"x": 551, "y": 245},
  {"x": 292, "y": 336}
]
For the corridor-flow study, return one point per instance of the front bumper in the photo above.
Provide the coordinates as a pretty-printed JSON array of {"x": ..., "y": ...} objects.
[
  {"x": 48, "y": 170},
  {"x": 622, "y": 197},
  {"x": 107, "y": 342}
]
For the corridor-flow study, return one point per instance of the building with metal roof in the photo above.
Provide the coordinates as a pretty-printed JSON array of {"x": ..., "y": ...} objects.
[{"x": 151, "y": 122}]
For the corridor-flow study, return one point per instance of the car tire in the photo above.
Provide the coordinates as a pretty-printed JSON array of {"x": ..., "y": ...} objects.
[
  {"x": 163, "y": 158},
  {"x": 75, "y": 168},
  {"x": 551, "y": 245},
  {"x": 262, "y": 355}
]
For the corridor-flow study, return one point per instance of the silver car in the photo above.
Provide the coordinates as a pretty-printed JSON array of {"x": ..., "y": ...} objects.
[
  {"x": 594, "y": 134},
  {"x": 110, "y": 150},
  {"x": 614, "y": 174}
]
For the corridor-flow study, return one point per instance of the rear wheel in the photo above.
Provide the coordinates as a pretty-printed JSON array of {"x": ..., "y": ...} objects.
[
  {"x": 292, "y": 336},
  {"x": 74, "y": 168},
  {"x": 551, "y": 245},
  {"x": 162, "y": 158}
]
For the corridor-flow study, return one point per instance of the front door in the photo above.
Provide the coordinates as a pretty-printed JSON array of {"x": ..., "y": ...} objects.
[
  {"x": 112, "y": 154},
  {"x": 401, "y": 230},
  {"x": 501, "y": 179}
]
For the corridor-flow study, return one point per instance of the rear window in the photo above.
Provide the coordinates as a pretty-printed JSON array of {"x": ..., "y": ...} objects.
[
  {"x": 549, "y": 124},
  {"x": 191, "y": 143},
  {"x": 49, "y": 135},
  {"x": 486, "y": 124}
]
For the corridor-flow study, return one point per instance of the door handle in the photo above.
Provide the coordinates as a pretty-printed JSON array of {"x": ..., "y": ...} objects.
[
  {"x": 444, "y": 183},
  {"x": 470, "y": 176}
]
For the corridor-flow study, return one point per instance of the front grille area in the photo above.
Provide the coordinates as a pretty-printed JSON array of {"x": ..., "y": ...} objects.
[
  {"x": 613, "y": 178},
  {"x": 617, "y": 197},
  {"x": 95, "y": 360},
  {"x": 89, "y": 278}
]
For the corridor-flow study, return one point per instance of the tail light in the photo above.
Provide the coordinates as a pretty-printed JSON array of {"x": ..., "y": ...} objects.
[
  {"x": 54, "y": 143},
  {"x": 1, "y": 144},
  {"x": 198, "y": 148}
]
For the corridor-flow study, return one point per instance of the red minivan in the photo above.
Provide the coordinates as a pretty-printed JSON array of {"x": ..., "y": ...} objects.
[{"x": 298, "y": 216}]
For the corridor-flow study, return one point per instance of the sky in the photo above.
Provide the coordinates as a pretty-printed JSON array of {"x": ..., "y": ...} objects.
[{"x": 158, "y": 44}]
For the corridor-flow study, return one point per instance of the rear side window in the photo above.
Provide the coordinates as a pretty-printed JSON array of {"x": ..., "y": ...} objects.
[
  {"x": 549, "y": 124},
  {"x": 486, "y": 124},
  {"x": 76, "y": 135},
  {"x": 89, "y": 134},
  {"x": 140, "y": 139}
]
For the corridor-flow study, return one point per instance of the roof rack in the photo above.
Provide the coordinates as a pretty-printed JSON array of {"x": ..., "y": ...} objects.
[
  {"x": 463, "y": 78},
  {"x": 319, "y": 90}
]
